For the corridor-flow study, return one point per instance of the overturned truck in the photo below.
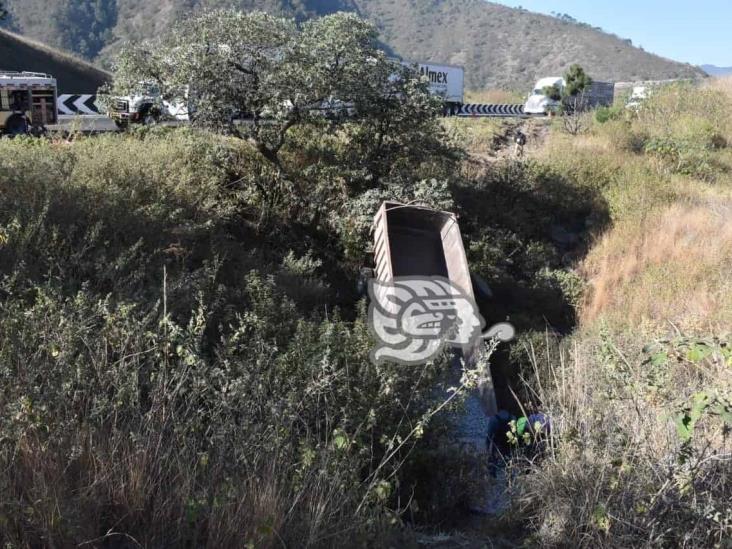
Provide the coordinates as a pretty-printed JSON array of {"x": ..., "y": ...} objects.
[{"x": 419, "y": 243}]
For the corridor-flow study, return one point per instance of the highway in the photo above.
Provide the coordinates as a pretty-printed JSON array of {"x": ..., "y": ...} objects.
[
  {"x": 99, "y": 123},
  {"x": 86, "y": 124}
]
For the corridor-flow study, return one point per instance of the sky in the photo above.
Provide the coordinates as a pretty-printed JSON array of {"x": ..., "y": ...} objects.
[{"x": 697, "y": 32}]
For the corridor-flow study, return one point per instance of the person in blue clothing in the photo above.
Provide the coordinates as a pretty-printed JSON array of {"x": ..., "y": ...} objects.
[{"x": 503, "y": 436}]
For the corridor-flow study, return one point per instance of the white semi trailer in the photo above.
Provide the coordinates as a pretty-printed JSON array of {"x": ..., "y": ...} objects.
[{"x": 445, "y": 81}]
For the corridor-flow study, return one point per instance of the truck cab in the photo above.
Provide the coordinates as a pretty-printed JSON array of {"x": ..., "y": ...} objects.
[
  {"x": 638, "y": 96},
  {"x": 145, "y": 105},
  {"x": 27, "y": 102},
  {"x": 538, "y": 101}
]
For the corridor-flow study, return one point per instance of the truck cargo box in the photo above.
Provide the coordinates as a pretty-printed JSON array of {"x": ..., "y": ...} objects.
[
  {"x": 445, "y": 81},
  {"x": 416, "y": 241}
]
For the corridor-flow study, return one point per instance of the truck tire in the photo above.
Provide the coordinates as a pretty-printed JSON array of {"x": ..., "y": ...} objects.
[
  {"x": 16, "y": 125},
  {"x": 149, "y": 115},
  {"x": 39, "y": 131}
]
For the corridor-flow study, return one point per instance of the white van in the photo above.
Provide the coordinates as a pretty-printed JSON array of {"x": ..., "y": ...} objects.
[{"x": 538, "y": 102}]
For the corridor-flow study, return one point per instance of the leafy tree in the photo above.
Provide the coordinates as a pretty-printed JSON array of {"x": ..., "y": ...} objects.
[
  {"x": 576, "y": 81},
  {"x": 553, "y": 92},
  {"x": 323, "y": 103},
  {"x": 226, "y": 63},
  {"x": 3, "y": 11}
]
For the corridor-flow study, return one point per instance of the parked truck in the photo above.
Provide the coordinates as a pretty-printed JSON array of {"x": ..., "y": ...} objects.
[
  {"x": 147, "y": 106},
  {"x": 546, "y": 96},
  {"x": 27, "y": 102},
  {"x": 445, "y": 81}
]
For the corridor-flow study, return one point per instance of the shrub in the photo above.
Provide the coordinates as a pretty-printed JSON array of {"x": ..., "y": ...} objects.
[
  {"x": 173, "y": 375},
  {"x": 619, "y": 473},
  {"x": 604, "y": 114},
  {"x": 684, "y": 157}
]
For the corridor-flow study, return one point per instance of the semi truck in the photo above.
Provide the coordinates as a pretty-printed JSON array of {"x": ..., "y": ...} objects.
[
  {"x": 146, "y": 105},
  {"x": 543, "y": 101},
  {"x": 27, "y": 102},
  {"x": 445, "y": 81}
]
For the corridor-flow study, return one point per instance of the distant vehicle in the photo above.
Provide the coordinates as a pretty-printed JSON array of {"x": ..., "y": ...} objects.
[
  {"x": 145, "y": 106},
  {"x": 445, "y": 81},
  {"x": 27, "y": 102},
  {"x": 538, "y": 102},
  {"x": 638, "y": 96}
]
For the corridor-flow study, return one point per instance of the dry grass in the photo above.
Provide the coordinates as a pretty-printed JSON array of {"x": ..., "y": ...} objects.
[
  {"x": 671, "y": 266},
  {"x": 494, "y": 96},
  {"x": 668, "y": 254},
  {"x": 721, "y": 84},
  {"x": 615, "y": 471}
]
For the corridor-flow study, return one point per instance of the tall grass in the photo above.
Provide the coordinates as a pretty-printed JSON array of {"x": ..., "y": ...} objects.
[
  {"x": 665, "y": 257},
  {"x": 614, "y": 471},
  {"x": 171, "y": 374},
  {"x": 640, "y": 395}
]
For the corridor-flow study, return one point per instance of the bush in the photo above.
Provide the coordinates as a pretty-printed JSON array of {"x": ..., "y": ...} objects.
[
  {"x": 173, "y": 375},
  {"x": 685, "y": 157},
  {"x": 619, "y": 473},
  {"x": 604, "y": 114}
]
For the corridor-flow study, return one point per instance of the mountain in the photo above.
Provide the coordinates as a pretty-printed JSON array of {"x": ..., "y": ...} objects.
[
  {"x": 713, "y": 70},
  {"x": 72, "y": 74},
  {"x": 498, "y": 45}
]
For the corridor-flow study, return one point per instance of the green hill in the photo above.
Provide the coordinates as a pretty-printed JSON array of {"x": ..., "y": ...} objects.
[
  {"x": 499, "y": 46},
  {"x": 74, "y": 75}
]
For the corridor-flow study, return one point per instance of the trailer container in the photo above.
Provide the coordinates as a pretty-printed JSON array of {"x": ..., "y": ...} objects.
[{"x": 416, "y": 241}]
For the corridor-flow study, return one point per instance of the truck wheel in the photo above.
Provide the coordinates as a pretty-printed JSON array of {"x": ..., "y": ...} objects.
[
  {"x": 39, "y": 131},
  {"x": 121, "y": 124},
  {"x": 16, "y": 125},
  {"x": 150, "y": 120}
]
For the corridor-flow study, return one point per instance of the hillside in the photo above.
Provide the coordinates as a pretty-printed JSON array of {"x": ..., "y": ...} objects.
[
  {"x": 499, "y": 46},
  {"x": 506, "y": 47},
  {"x": 185, "y": 362},
  {"x": 73, "y": 74}
]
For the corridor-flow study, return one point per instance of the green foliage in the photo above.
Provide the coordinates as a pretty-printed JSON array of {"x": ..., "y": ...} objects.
[
  {"x": 642, "y": 439},
  {"x": 576, "y": 81},
  {"x": 148, "y": 331},
  {"x": 524, "y": 222},
  {"x": 604, "y": 114},
  {"x": 331, "y": 114},
  {"x": 553, "y": 92},
  {"x": 683, "y": 156}
]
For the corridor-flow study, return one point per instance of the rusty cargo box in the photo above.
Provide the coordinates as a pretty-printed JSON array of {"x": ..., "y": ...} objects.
[{"x": 417, "y": 241}]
